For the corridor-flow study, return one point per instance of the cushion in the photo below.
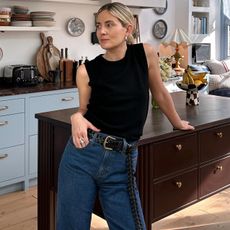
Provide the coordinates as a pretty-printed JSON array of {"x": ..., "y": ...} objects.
[
  {"x": 217, "y": 81},
  {"x": 224, "y": 92},
  {"x": 200, "y": 68},
  {"x": 218, "y": 67}
]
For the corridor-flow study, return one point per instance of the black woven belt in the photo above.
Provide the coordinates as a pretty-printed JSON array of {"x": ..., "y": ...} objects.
[{"x": 111, "y": 142}]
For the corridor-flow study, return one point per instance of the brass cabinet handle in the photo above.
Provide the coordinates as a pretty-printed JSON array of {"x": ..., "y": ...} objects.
[
  {"x": 178, "y": 184},
  {"x": 179, "y": 147},
  {"x": 2, "y": 156},
  {"x": 2, "y": 123},
  {"x": 219, "y": 167},
  {"x": 67, "y": 99},
  {"x": 220, "y": 134},
  {"x": 4, "y": 108}
]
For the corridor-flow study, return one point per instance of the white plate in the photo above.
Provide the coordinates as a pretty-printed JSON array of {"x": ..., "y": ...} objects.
[
  {"x": 21, "y": 23},
  {"x": 44, "y": 13},
  {"x": 44, "y": 23}
]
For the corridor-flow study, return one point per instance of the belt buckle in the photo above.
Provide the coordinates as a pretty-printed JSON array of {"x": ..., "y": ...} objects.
[{"x": 106, "y": 141}]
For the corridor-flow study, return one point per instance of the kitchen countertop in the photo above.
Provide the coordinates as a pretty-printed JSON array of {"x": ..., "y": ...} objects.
[{"x": 10, "y": 91}]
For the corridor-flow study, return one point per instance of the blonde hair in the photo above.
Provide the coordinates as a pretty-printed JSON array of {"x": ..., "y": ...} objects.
[{"x": 123, "y": 14}]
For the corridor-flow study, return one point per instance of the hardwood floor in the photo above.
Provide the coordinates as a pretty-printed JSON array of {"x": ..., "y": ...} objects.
[{"x": 18, "y": 211}]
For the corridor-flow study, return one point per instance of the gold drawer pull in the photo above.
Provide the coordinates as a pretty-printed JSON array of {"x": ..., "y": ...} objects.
[
  {"x": 2, "y": 123},
  {"x": 179, "y": 184},
  {"x": 2, "y": 156},
  {"x": 179, "y": 147},
  {"x": 67, "y": 99},
  {"x": 3, "y": 108},
  {"x": 220, "y": 134},
  {"x": 219, "y": 167}
]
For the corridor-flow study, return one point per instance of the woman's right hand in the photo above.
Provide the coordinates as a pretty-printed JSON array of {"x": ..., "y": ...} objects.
[{"x": 80, "y": 125}]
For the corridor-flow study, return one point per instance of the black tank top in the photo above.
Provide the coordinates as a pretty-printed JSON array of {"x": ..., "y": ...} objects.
[{"x": 120, "y": 93}]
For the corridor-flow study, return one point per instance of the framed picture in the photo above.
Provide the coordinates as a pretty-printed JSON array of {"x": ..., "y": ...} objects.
[
  {"x": 159, "y": 29},
  {"x": 161, "y": 10}
]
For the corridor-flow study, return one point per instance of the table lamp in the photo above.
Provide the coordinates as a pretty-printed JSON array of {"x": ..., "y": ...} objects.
[{"x": 178, "y": 38}]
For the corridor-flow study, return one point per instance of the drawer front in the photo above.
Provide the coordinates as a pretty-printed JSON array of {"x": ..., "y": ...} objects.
[
  {"x": 173, "y": 193},
  {"x": 214, "y": 176},
  {"x": 214, "y": 142},
  {"x": 33, "y": 154},
  {"x": 173, "y": 155},
  {"x": 11, "y": 106},
  {"x": 12, "y": 163},
  {"x": 49, "y": 103},
  {"x": 11, "y": 130}
]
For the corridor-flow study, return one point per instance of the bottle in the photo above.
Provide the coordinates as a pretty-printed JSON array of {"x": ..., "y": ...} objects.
[
  {"x": 86, "y": 59},
  {"x": 80, "y": 61},
  {"x": 68, "y": 67},
  {"x": 61, "y": 66}
]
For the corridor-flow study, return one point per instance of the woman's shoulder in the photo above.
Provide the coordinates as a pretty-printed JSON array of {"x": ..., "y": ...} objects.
[
  {"x": 150, "y": 52},
  {"x": 148, "y": 47}
]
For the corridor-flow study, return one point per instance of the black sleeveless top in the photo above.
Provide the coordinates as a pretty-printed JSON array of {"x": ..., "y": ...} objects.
[{"x": 120, "y": 93}]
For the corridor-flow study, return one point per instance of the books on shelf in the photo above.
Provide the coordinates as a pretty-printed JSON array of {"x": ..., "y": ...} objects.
[{"x": 199, "y": 25}]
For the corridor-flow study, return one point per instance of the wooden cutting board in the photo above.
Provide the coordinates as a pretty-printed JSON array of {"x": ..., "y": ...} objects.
[
  {"x": 39, "y": 57},
  {"x": 52, "y": 55}
]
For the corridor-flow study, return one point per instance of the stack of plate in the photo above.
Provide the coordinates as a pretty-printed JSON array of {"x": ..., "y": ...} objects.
[
  {"x": 5, "y": 16},
  {"x": 21, "y": 17},
  {"x": 43, "y": 18}
]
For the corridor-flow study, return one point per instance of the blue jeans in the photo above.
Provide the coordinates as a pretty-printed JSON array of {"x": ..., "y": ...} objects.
[{"x": 92, "y": 170}]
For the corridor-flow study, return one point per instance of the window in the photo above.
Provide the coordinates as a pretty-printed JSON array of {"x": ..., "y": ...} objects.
[
  {"x": 228, "y": 39},
  {"x": 225, "y": 29}
]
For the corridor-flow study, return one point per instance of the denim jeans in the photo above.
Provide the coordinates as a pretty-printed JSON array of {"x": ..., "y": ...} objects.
[{"x": 87, "y": 172}]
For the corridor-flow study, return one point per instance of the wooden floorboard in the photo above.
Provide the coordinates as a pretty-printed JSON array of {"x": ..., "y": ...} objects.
[{"x": 18, "y": 211}]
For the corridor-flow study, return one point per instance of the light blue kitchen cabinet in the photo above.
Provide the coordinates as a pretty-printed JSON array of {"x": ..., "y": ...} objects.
[
  {"x": 18, "y": 132},
  {"x": 12, "y": 140},
  {"x": 43, "y": 103}
]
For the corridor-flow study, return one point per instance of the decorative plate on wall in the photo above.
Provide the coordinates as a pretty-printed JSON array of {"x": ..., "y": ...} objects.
[
  {"x": 75, "y": 27},
  {"x": 159, "y": 29},
  {"x": 161, "y": 10}
]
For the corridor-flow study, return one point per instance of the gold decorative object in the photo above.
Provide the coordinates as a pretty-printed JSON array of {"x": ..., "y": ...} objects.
[{"x": 178, "y": 38}]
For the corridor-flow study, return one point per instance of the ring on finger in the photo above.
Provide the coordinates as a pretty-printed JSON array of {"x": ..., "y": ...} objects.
[{"x": 81, "y": 141}]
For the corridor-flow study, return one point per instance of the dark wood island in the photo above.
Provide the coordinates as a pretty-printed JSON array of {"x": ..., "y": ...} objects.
[{"x": 175, "y": 168}]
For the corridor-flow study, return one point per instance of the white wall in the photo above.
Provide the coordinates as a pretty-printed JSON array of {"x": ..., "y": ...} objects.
[
  {"x": 148, "y": 17},
  {"x": 21, "y": 47}
]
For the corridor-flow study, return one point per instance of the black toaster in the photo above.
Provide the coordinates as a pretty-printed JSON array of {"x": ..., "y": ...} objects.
[{"x": 21, "y": 75}]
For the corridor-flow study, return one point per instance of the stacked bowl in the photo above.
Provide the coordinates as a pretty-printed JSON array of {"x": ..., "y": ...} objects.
[
  {"x": 21, "y": 17},
  {"x": 5, "y": 16}
]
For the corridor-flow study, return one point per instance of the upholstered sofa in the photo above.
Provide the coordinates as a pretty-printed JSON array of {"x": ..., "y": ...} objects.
[{"x": 219, "y": 77}]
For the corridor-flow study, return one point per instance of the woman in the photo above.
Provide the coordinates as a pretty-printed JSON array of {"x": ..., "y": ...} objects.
[{"x": 101, "y": 156}]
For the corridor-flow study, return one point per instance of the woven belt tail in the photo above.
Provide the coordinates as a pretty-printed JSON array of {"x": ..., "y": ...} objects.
[{"x": 131, "y": 191}]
